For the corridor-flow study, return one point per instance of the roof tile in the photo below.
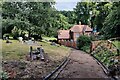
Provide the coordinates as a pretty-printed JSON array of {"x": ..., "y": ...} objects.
[{"x": 63, "y": 34}]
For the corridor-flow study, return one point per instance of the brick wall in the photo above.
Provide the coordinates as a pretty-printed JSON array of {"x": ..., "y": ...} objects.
[{"x": 68, "y": 43}]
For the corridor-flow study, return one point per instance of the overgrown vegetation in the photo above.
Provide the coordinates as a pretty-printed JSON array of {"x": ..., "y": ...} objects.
[
  {"x": 116, "y": 43},
  {"x": 83, "y": 43},
  {"x": 105, "y": 56},
  {"x": 112, "y": 22},
  {"x": 109, "y": 56}
]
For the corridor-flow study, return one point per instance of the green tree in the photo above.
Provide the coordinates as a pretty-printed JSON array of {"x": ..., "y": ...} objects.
[
  {"x": 62, "y": 22},
  {"x": 92, "y": 13},
  {"x": 70, "y": 15},
  {"x": 34, "y": 17},
  {"x": 102, "y": 10},
  {"x": 82, "y": 12},
  {"x": 112, "y": 23}
]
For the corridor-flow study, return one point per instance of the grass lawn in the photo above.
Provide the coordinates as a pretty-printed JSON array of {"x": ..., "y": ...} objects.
[
  {"x": 18, "y": 51},
  {"x": 117, "y": 43},
  {"x": 48, "y": 38}
]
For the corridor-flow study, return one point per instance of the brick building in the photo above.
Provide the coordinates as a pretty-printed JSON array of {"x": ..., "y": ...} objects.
[{"x": 69, "y": 37}]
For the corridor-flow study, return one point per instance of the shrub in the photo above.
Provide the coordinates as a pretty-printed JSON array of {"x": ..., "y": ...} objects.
[
  {"x": 85, "y": 48},
  {"x": 6, "y": 35},
  {"x": 16, "y": 32},
  {"x": 83, "y": 42},
  {"x": 93, "y": 38},
  {"x": 4, "y": 75}
]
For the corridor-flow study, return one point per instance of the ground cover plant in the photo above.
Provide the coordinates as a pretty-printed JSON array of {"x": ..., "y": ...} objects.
[
  {"x": 117, "y": 44},
  {"x": 108, "y": 56}
]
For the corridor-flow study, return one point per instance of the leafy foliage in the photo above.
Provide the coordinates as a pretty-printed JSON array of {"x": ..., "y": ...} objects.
[
  {"x": 70, "y": 15},
  {"x": 82, "y": 11},
  {"x": 102, "y": 9},
  {"x": 112, "y": 23},
  {"x": 92, "y": 13},
  {"x": 33, "y": 17},
  {"x": 83, "y": 42},
  {"x": 4, "y": 75},
  {"x": 109, "y": 56}
]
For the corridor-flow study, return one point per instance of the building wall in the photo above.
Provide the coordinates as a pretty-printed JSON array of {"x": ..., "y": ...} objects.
[
  {"x": 88, "y": 33},
  {"x": 68, "y": 43},
  {"x": 76, "y": 35}
]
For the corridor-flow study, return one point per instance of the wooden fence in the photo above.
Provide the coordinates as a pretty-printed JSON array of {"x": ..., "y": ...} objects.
[
  {"x": 94, "y": 44},
  {"x": 108, "y": 44}
]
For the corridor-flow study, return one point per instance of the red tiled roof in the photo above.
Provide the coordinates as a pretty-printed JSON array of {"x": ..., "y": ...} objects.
[
  {"x": 63, "y": 34},
  {"x": 88, "y": 28},
  {"x": 80, "y": 28}
]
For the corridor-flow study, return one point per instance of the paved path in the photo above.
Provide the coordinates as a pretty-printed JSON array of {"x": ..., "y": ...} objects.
[{"x": 82, "y": 65}]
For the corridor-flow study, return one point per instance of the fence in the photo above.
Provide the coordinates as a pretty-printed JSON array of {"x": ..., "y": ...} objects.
[
  {"x": 94, "y": 44},
  {"x": 68, "y": 43}
]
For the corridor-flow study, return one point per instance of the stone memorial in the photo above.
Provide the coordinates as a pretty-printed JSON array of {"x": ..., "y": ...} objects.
[{"x": 37, "y": 53}]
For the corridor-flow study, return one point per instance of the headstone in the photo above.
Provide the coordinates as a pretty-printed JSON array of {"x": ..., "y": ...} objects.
[
  {"x": 30, "y": 42},
  {"x": 20, "y": 39},
  {"x": 53, "y": 43},
  {"x": 26, "y": 35},
  {"x": 41, "y": 53},
  {"x": 33, "y": 40},
  {"x": 36, "y": 54}
]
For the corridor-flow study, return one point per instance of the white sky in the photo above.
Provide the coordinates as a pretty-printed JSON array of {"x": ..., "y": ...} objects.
[
  {"x": 65, "y": 5},
  {"x": 70, "y": 4}
]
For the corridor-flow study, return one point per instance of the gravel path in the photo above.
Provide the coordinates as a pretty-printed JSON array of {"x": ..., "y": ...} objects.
[{"x": 82, "y": 65}]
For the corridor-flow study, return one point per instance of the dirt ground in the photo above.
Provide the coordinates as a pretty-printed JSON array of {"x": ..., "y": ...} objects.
[
  {"x": 82, "y": 65},
  {"x": 27, "y": 69}
]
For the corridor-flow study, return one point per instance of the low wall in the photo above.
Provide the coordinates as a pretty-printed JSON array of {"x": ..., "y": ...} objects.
[{"x": 72, "y": 44}]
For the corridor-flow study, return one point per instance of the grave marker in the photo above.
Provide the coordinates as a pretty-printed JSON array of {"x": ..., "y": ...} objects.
[{"x": 38, "y": 53}]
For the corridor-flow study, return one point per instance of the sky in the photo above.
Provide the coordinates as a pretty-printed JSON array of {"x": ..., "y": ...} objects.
[{"x": 66, "y": 4}]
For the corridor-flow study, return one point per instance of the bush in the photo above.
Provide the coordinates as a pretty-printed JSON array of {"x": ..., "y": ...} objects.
[
  {"x": 6, "y": 35},
  {"x": 16, "y": 32},
  {"x": 83, "y": 42},
  {"x": 4, "y": 75},
  {"x": 85, "y": 48}
]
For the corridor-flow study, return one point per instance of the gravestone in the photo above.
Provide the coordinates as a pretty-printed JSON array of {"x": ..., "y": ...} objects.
[
  {"x": 30, "y": 42},
  {"x": 53, "y": 43},
  {"x": 20, "y": 39},
  {"x": 41, "y": 53},
  {"x": 37, "y": 54}
]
